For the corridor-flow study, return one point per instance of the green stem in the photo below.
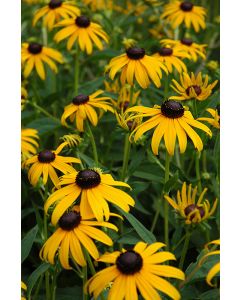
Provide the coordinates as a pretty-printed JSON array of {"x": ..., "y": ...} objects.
[
  {"x": 166, "y": 223},
  {"x": 92, "y": 140},
  {"x": 195, "y": 110},
  {"x": 38, "y": 287},
  {"x": 185, "y": 248},
  {"x": 76, "y": 71},
  {"x": 42, "y": 110},
  {"x": 178, "y": 243},
  {"x": 47, "y": 285},
  {"x": 54, "y": 283},
  {"x": 197, "y": 168},
  {"x": 85, "y": 296},
  {"x": 126, "y": 153}
]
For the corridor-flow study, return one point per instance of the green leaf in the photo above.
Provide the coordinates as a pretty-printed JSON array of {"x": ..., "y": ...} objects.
[
  {"x": 141, "y": 230},
  {"x": 148, "y": 176},
  {"x": 44, "y": 125},
  {"x": 32, "y": 280},
  {"x": 213, "y": 294},
  {"x": 27, "y": 243},
  {"x": 171, "y": 182}
]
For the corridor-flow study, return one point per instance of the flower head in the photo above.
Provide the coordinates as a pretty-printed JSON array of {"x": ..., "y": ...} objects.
[
  {"x": 99, "y": 4},
  {"x": 45, "y": 163},
  {"x": 23, "y": 291},
  {"x": 192, "y": 87},
  {"x": 178, "y": 12},
  {"x": 172, "y": 57},
  {"x": 73, "y": 233},
  {"x": 136, "y": 64},
  {"x": 73, "y": 140},
  {"x": 214, "y": 121},
  {"x": 83, "y": 107},
  {"x": 29, "y": 145},
  {"x": 34, "y": 55},
  {"x": 216, "y": 268},
  {"x": 82, "y": 30},
  {"x": 95, "y": 191},
  {"x": 188, "y": 46},
  {"x": 54, "y": 11},
  {"x": 126, "y": 121},
  {"x": 171, "y": 120},
  {"x": 136, "y": 270},
  {"x": 190, "y": 210}
]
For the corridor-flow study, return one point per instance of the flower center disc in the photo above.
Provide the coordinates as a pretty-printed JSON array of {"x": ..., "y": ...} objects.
[
  {"x": 46, "y": 156},
  {"x": 129, "y": 262},
  {"x": 82, "y": 21},
  {"x": 186, "y": 6},
  {"x": 135, "y": 53},
  {"x": 34, "y": 48},
  {"x": 172, "y": 109},
  {"x": 165, "y": 51},
  {"x": 55, "y": 4},
  {"x": 187, "y": 42},
  {"x": 87, "y": 179},
  {"x": 80, "y": 99},
  {"x": 191, "y": 208},
  {"x": 69, "y": 220},
  {"x": 197, "y": 89}
]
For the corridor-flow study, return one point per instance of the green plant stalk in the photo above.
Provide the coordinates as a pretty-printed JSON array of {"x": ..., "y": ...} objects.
[
  {"x": 54, "y": 284},
  {"x": 178, "y": 243},
  {"x": 166, "y": 221},
  {"x": 42, "y": 110},
  {"x": 185, "y": 248},
  {"x": 76, "y": 71},
  {"x": 198, "y": 174},
  {"x": 195, "y": 110},
  {"x": 92, "y": 140},
  {"x": 126, "y": 153},
  {"x": 85, "y": 296},
  {"x": 38, "y": 288}
]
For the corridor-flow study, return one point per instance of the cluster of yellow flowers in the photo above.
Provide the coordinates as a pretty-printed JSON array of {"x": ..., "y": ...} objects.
[{"x": 81, "y": 198}]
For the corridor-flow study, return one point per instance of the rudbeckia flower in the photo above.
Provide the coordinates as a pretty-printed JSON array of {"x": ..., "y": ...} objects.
[
  {"x": 216, "y": 268},
  {"x": 34, "y": 54},
  {"x": 135, "y": 63},
  {"x": 124, "y": 98},
  {"x": 214, "y": 121},
  {"x": 192, "y": 87},
  {"x": 29, "y": 145},
  {"x": 137, "y": 270},
  {"x": 112, "y": 87},
  {"x": 172, "y": 58},
  {"x": 46, "y": 161},
  {"x": 83, "y": 107},
  {"x": 187, "y": 45},
  {"x": 99, "y": 4},
  {"x": 23, "y": 291},
  {"x": 171, "y": 120},
  {"x": 84, "y": 31},
  {"x": 190, "y": 210},
  {"x": 178, "y": 12},
  {"x": 55, "y": 10},
  {"x": 73, "y": 140},
  {"x": 126, "y": 122},
  {"x": 95, "y": 190},
  {"x": 24, "y": 95},
  {"x": 73, "y": 233}
]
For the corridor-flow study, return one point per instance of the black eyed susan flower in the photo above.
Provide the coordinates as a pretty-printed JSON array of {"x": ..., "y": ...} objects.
[
  {"x": 82, "y": 30},
  {"x": 171, "y": 120},
  {"x": 138, "y": 270},
  {"x": 23, "y": 291},
  {"x": 24, "y": 95},
  {"x": 190, "y": 210},
  {"x": 73, "y": 140},
  {"x": 83, "y": 107},
  {"x": 216, "y": 268},
  {"x": 214, "y": 121},
  {"x": 99, "y": 4},
  {"x": 34, "y": 54},
  {"x": 136, "y": 64},
  {"x": 127, "y": 98},
  {"x": 187, "y": 45},
  {"x": 192, "y": 87},
  {"x": 172, "y": 58},
  {"x": 112, "y": 87},
  {"x": 29, "y": 144},
  {"x": 178, "y": 12},
  {"x": 74, "y": 232},
  {"x": 95, "y": 190},
  {"x": 54, "y": 11},
  {"x": 45, "y": 163},
  {"x": 126, "y": 122}
]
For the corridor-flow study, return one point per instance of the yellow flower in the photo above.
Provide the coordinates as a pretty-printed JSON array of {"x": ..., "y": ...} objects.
[
  {"x": 29, "y": 145},
  {"x": 75, "y": 232},
  {"x": 23, "y": 291},
  {"x": 72, "y": 139},
  {"x": 94, "y": 189},
  {"x": 34, "y": 54},
  {"x": 135, "y": 63},
  {"x": 137, "y": 270},
  {"x": 124, "y": 98},
  {"x": 113, "y": 87},
  {"x": 126, "y": 122},
  {"x": 24, "y": 95},
  {"x": 192, "y": 87},
  {"x": 171, "y": 120},
  {"x": 82, "y": 30},
  {"x": 128, "y": 43},
  {"x": 172, "y": 57},
  {"x": 99, "y": 4},
  {"x": 212, "y": 65},
  {"x": 214, "y": 121},
  {"x": 178, "y": 12},
  {"x": 187, "y": 45},
  {"x": 190, "y": 210},
  {"x": 46, "y": 161},
  {"x": 216, "y": 268},
  {"x": 83, "y": 107},
  {"x": 32, "y": 1},
  {"x": 55, "y": 10}
]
